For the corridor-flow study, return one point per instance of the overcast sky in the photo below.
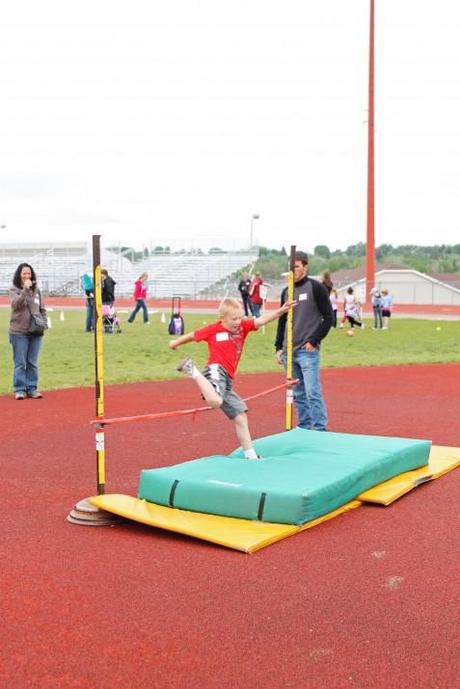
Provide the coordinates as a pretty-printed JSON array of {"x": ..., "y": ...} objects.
[{"x": 173, "y": 122}]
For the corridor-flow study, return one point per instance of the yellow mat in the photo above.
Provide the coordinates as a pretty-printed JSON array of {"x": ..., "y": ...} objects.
[
  {"x": 249, "y": 536},
  {"x": 239, "y": 534},
  {"x": 442, "y": 459}
]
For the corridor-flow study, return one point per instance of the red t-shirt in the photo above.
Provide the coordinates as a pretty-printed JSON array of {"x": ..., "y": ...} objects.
[{"x": 224, "y": 348}]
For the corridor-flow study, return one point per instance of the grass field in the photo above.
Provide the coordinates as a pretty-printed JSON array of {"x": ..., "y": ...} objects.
[{"x": 141, "y": 352}]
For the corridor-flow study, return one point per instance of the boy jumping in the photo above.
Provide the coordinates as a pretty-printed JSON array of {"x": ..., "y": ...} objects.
[{"x": 225, "y": 340}]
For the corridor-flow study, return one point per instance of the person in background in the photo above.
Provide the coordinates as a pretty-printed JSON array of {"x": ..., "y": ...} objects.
[
  {"x": 255, "y": 295},
  {"x": 327, "y": 282},
  {"x": 352, "y": 309},
  {"x": 140, "y": 295},
  {"x": 107, "y": 288},
  {"x": 25, "y": 299},
  {"x": 88, "y": 287},
  {"x": 333, "y": 300},
  {"x": 387, "y": 303},
  {"x": 312, "y": 319},
  {"x": 377, "y": 307},
  {"x": 243, "y": 288}
]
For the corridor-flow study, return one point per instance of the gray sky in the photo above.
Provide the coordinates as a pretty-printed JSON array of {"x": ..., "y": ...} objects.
[{"x": 174, "y": 122}]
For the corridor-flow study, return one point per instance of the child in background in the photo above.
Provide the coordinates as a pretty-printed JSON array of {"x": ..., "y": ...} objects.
[
  {"x": 225, "y": 340},
  {"x": 333, "y": 299},
  {"x": 387, "y": 303},
  {"x": 376, "y": 299},
  {"x": 140, "y": 295},
  {"x": 352, "y": 308}
]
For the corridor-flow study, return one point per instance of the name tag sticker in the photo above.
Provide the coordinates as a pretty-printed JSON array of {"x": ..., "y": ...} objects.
[
  {"x": 303, "y": 297},
  {"x": 37, "y": 300},
  {"x": 221, "y": 337}
]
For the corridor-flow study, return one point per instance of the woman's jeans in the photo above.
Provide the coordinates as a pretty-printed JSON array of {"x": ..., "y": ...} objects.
[
  {"x": 25, "y": 357},
  {"x": 255, "y": 308},
  {"x": 140, "y": 304},
  {"x": 308, "y": 397},
  {"x": 377, "y": 317}
]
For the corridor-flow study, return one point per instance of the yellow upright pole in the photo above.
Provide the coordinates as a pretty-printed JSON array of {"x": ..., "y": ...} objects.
[
  {"x": 85, "y": 513},
  {"x": 289, "y": 347},
  {"x": 98, "y": 365}
]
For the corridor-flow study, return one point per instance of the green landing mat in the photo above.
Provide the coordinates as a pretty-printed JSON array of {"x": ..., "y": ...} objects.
[{"x": 302, "y": 475}]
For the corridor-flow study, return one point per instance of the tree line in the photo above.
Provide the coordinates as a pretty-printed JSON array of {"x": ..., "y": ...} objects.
[{"x": 437, "y": 258}]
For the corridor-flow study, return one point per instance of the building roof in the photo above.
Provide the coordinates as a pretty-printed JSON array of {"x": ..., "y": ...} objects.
[
  {"x": 349, "y": 275},
  {"x": 452, "y": 279}
]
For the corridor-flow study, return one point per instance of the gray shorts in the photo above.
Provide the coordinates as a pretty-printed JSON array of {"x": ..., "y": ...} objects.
[{"x": 222, "y": 383}]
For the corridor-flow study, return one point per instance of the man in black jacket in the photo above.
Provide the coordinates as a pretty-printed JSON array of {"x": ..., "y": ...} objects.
[
  {"x": 312, "y": 320},
  {"x": 243, "y": 289}
]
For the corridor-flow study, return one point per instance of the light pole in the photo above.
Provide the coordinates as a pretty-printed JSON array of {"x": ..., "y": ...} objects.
[{"x": 253, "y": 217}]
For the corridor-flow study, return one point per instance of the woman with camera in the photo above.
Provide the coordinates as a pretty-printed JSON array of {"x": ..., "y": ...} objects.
[{"x": 27, "y": 324}]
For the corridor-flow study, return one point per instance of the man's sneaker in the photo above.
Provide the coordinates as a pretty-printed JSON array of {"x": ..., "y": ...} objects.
[
  {"x": 35, "y": 395},
  {"x": 20, "y": 395},
  {"x": 185, "y": 366}
]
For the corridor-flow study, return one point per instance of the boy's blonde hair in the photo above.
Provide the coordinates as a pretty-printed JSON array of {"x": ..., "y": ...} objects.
[
  {"x": 227, "y": 305},
  {"x": 385, "y": 292}
]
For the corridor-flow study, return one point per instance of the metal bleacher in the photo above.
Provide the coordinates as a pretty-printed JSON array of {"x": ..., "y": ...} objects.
[
  {"x": 60, "y": 266},
  {"x": 184, "y": 274}
]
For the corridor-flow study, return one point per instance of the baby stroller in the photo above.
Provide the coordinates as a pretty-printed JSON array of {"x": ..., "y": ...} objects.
[{"x": 110, "y": 320}]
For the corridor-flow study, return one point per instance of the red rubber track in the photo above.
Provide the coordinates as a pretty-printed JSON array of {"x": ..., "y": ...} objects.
[
  {"x": 368, "y": 600},
  {"x": 421, "y": 310}
]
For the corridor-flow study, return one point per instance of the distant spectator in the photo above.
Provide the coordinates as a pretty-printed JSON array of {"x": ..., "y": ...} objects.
[
  {"x": 108, "y": 288},
  {"x": 140, "y": 295},
  {"x": 243, "y": 288},
  {"x": 387, "y": 303},
  {"x": 333, "y": 300},
  {"x": 377, "y": 307},
  {"x": 352, "y": 309},
  {"x": 88, "y": 287},
  {"x": 327, "y": 282},
  {"x": 26, "y": 300},
  {"x": 257, "y": 294}
]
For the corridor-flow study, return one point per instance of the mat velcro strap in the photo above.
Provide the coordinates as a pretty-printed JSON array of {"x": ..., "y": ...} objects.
[
  {"x": 171, "y": 495},
  {"x": 260, "y": 512}
]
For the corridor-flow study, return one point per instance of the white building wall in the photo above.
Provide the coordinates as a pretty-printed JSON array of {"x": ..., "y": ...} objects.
[{"x": 409, "y": 287}]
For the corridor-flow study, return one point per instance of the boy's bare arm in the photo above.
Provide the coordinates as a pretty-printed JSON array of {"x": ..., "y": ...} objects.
[
  {"x": 183, "y": 339},
  {"x": 273, "y": 315}
]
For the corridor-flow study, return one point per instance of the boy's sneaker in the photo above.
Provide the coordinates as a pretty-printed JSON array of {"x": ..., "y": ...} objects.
[{"x": 185, "y": 366}]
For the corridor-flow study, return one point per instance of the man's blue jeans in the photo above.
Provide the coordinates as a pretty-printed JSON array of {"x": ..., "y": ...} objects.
[
  {"x": 25, "y": 356},
  {"x": 308, "y": 397},
  {"x": 140, "y": 304}
]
